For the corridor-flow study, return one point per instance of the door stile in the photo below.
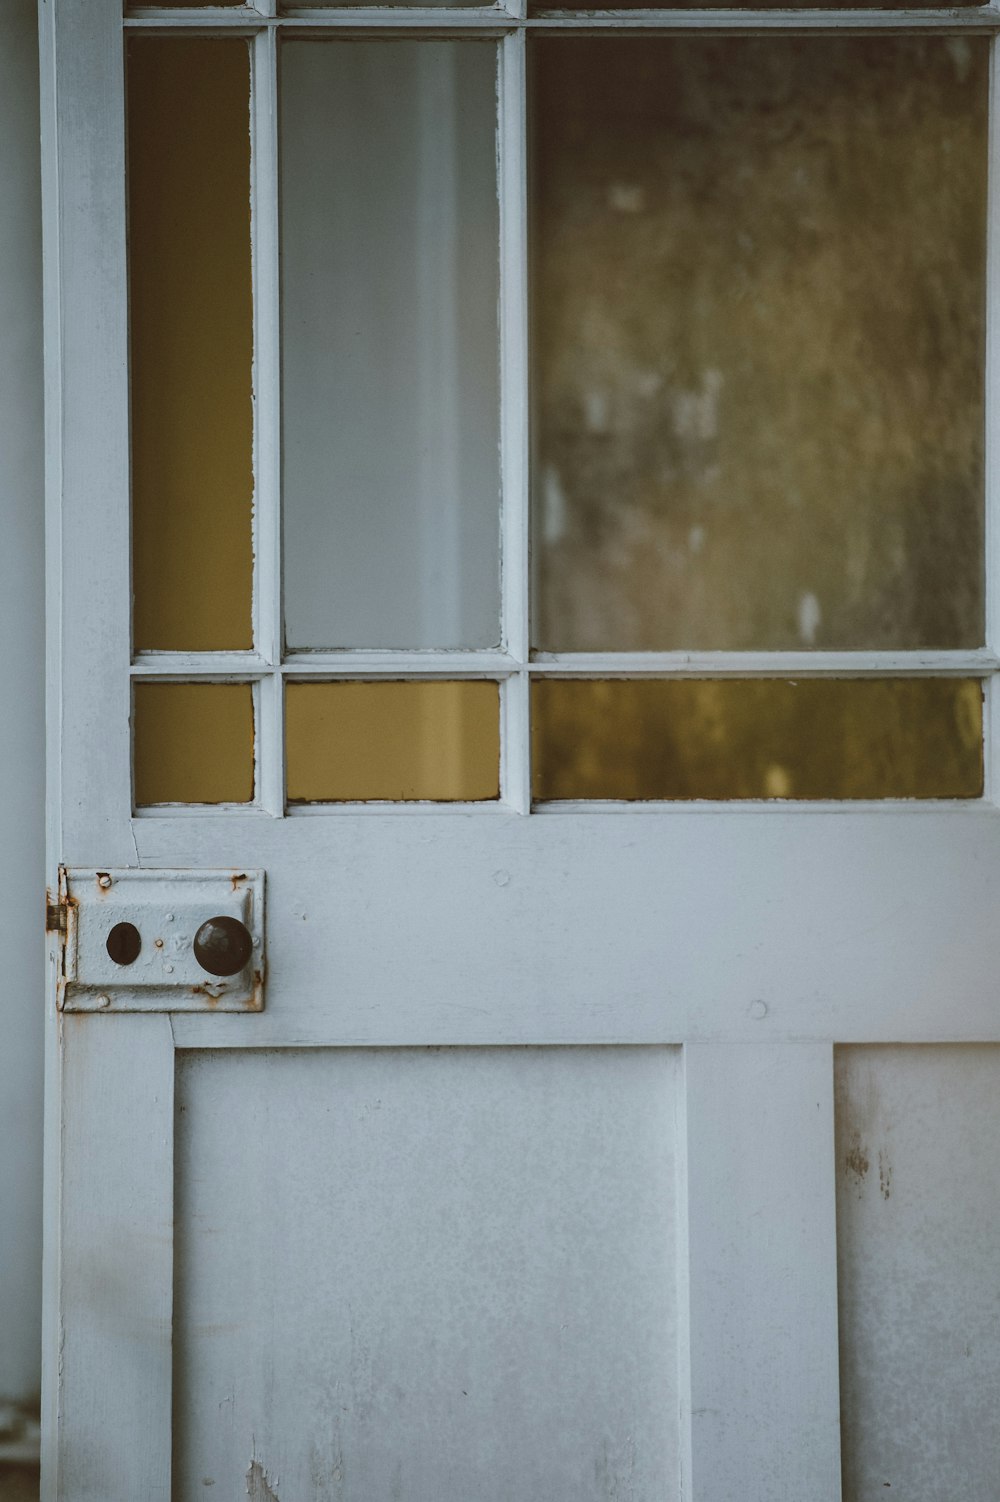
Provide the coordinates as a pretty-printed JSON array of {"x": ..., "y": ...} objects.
[
  {"x": 757, "y": 1269},
  {"x": 87, "y": 458},
  {"x": 108, "y": 1435}
]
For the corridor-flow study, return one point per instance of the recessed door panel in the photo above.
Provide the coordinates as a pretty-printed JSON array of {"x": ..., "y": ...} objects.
[{"x": 427, "y": 1274}]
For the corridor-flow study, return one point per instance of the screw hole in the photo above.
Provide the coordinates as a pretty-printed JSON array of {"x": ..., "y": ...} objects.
[{"x": 124, "y": 943}]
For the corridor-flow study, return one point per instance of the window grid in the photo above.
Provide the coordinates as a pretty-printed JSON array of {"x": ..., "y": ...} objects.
[{"x": 270, "y": 666}]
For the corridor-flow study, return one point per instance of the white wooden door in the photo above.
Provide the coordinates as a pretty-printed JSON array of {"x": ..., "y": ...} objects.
[{"x": 583, "y": 1148}]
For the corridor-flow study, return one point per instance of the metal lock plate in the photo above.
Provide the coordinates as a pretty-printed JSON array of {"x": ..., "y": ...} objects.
[{"x": 106, "y": 913}]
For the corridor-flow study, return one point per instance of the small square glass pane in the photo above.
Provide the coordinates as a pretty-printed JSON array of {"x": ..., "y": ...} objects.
[
  {"x": 390, "y": 284},
  {"x": 193, "y": 743},
  {"x": 758, "y": 339}
]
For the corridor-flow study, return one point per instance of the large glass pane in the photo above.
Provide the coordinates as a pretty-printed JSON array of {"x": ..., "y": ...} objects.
[
  {"x": 740, "y": 738},
  {"x": 758, "y": 342},
  {"x": 191, "y": 318},
  {"x": 389, "y": 277},
  {"x": 194, "y": 743},
  {"x": 350, "y": 742}
]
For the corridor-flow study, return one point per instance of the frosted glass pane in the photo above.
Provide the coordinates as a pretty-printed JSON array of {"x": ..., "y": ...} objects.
[
  {"x": 740, "y": 738},
  {"x": 395, "y": 741},
  {"x": 390, "y": 286},
  {"x": 194, "y": 743},
  {"x": 758, "y": 342},
  {"x": 191, "y": 325}
]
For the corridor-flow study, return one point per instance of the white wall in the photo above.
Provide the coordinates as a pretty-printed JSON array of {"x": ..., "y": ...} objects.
[{"x": 21, "y": 712}]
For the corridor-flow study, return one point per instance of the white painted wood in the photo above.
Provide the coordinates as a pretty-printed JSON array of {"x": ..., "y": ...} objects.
[
  {"x": 111, "y": 1381},
  {"x": 969, "y": 664},
  {"x": 515, "y": 727},
  {"x": 86, "y": 360},
  {"x": 918, "y": 1210},
  {"x": 756, "y": 936},
  {"x": 983, "y": 18},
  {"x": 761, "y": 1275},
  {"x": 598, "y": 928},
  {"x": 434, "y": 1275}
]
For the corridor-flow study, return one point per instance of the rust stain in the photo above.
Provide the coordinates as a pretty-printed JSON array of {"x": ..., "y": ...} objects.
[
  {"x": 237, "y": 881},
  {"x": 211, "y": 993},
  {"x": 856, "y": 1161}
]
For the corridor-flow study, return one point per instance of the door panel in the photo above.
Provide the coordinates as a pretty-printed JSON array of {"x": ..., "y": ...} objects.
[
  {"x": 918, "y": 1215},
  {"x": 427, "y": 1274}
]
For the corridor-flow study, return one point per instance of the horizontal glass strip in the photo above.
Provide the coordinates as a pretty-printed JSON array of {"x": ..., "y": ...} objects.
[
  {"x": 736, "y": 738},
  {"x": 193, "y": 743},
  {"x": 399, "y": 742}
]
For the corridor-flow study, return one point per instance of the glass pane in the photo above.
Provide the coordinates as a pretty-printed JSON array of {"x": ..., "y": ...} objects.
[
  {"x": 390, "y": 285},
  {"x": 739, "y": 738},
  {"x": 194, "y": 743},
  {"x": 191, "y": 342},
  {"x": 758, "y": 342},
  {"x": 400, "y": 741}
]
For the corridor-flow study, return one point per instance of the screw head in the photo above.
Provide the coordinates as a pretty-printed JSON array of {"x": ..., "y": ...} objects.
[
  {"x": 104, "y": 1000},
  {"x": 104, "y": 881}
]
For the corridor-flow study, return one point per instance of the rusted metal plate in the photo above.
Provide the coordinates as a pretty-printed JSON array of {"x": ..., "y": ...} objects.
[{"x": 159, "y": 912}]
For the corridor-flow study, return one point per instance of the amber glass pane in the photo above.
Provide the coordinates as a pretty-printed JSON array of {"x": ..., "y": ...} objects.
[
  {"x": 390, "y": 283},
  {"x": 191, "y": 341},
  {"x": 738, "y": 738},
  {"x": 399, "y": 741},
  {"x": 758, "y": 342},
  {"x": 194, "y": 743}
]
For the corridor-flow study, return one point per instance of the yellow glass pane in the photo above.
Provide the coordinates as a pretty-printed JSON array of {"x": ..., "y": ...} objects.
[
  {"x": 193, "y": 743},
  {"x": 191, "y": 339},
  {"x": 350, "y": 742},
  {"x": 758, "y": 340},
  {"x": 815, "y": 738}
]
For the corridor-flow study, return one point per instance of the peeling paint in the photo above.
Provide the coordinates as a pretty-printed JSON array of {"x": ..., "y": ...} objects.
[{"x": 259, "y": 1488}]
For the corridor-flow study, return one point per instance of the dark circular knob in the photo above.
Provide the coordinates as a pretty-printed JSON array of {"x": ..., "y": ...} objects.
[{"x": 222, "y": 946}]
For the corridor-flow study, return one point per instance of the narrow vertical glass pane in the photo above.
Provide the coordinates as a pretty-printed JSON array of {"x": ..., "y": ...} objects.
[
  {"x": 390, "y": 232},
  {"x": 194, "y": 743},
  {"x": 350, "y": 742},
  {"x": 191, "y": 326},
  {"x": 740, "y": 738},
  {"x": 759, "y": 342}
]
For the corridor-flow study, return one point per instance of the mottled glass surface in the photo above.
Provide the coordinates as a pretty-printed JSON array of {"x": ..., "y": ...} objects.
[
  {"x": 193, "y": 743},
  {"x": 746, "y": 738},
  {"x": 191, "y": 342},
  {"x": 352, "y": 742},
  {"x": 758, "y": 342},
  {"x": 390, "y": 361}
]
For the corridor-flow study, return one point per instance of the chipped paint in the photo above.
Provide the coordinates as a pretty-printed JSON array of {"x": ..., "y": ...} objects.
[{"x": 259, "y": 1487}]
